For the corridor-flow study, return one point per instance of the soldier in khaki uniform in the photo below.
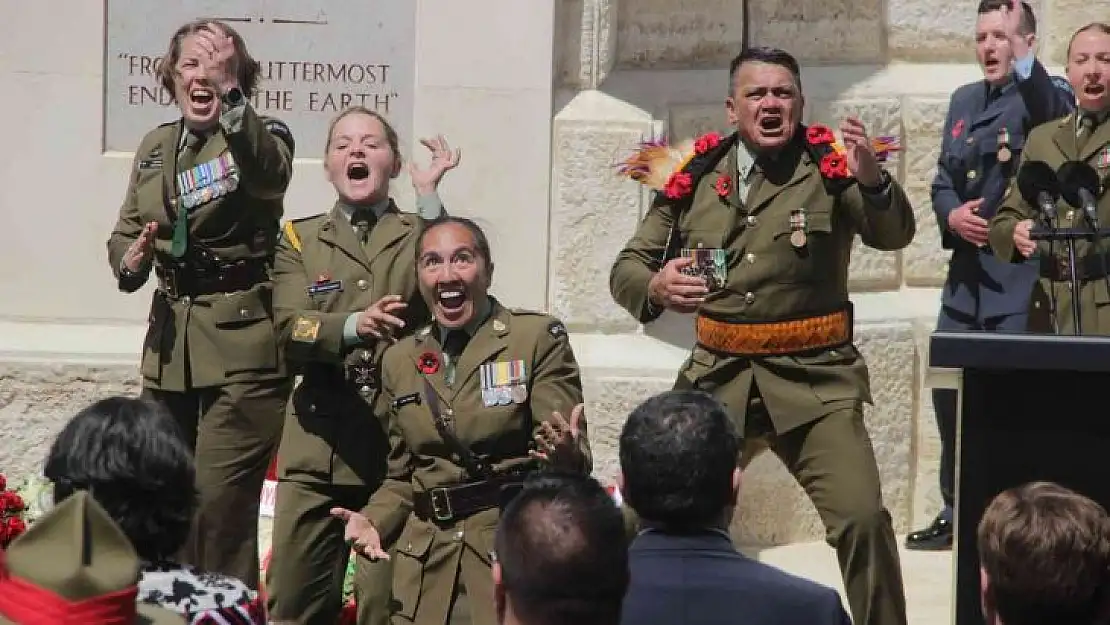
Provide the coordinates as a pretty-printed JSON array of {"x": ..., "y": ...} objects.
[
  {"x": 203, "y": 210},
  {"x": 74, "y": 565},
  {"x": 343, "y": 280},
  {"x": 467, "y": 395},
  {"x": 1083, "y": 135},
  {"x": 753, "y": 235}
]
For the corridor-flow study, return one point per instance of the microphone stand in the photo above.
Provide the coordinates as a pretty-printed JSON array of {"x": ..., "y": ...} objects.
[
  {"x": 1070, "y": 236},
  {"x": 1050, "y": 223}
]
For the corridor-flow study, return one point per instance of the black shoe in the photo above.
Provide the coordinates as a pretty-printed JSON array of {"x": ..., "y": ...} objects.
[{"x": 936, "y": 537}]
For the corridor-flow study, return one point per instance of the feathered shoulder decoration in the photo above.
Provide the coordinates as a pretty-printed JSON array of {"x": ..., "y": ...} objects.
[{"x": 673, "y": 169}]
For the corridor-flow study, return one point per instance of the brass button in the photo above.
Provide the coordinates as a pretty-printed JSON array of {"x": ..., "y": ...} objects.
[
  {"x": 244, "y": 313},
  {"x": 365, "y": 390},
  {"x": 971, "y": 175},
  {"x": 458, "y": 535},
  {"x": 363, "y": 285},
  {"x": 186, "y": 300},
  {"x": 751, "y": 220},
  {"x": 970, "y": 140},
  {"x": 749, "y": 297},
  {"x": 750, "y": 258}
]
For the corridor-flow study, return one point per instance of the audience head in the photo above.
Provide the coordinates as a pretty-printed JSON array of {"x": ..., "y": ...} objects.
[
  {"x": 361, "y": 156},
  {"x": 1088, "y": 66},
  {"x": 182, "y": 71},
  {"x": 129, "y": 455},
  {"x": 454, "y": 268},
  {"x": 74, "y": 565},
  {"x": 992, "y": 44},
  {"x": 765, "y": 99},
  {"x": 679, "y": 455},
  {"x": 561, "y": 555},
  {"x": 1044, "y": 553}
]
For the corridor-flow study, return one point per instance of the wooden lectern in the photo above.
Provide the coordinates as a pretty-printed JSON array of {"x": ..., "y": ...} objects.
[{"x": 1032, "y": 407}]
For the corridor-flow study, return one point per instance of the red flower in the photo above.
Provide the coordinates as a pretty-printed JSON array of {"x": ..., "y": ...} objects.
[
  {"x": 706, "y": 142},
  {"x": 678, "y": 186},
  {"x": 723, "y": 185},
  {"x": 819, "y": 135},
  {"x": 11, "y": 529},
  {"x": 834, "y": 166},
  {"x": 11, "y": 502},
  {"x": 428, "y": 364},
  {"x": 349, "y": 615}
]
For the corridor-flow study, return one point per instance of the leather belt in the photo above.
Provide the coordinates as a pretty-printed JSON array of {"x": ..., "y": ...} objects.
[
  {"x": 1089, "y": 267},
  {"x": 450, "y": 503},
  {"x": 185, "y": 281},
  {"x": 776, "y": 338}
]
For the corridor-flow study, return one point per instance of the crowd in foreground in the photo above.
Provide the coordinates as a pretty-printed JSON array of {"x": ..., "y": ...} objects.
[{"x": 124, "y": 496}]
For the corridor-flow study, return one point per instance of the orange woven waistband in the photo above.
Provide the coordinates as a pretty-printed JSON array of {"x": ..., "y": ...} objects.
[{"x": 776, "y": 338}]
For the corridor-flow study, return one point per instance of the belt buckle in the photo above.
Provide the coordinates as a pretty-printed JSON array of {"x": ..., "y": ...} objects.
[
  {"x": 441, "y": 505},
  {"x": 169, "y": 280}
]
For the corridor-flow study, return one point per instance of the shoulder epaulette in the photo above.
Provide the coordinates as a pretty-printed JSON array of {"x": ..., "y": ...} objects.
[{"x": 291, "y": 234}]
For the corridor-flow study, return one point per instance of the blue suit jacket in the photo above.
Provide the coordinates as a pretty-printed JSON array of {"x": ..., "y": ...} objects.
[
  {"x": 700, "y": 579},
  {"x": 978, "y": 284}
]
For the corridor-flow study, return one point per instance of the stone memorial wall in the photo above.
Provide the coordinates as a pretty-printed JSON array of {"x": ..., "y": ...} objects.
[{"x": 317, "y": 58}]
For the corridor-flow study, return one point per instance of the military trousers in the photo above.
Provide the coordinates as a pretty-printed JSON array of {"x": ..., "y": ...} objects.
[
  {"x": 309, "y": 558},
  {"x": 946, "y": 400},
  {"x": 234, "y": 431},
  {"x": 833, "y": 461}
]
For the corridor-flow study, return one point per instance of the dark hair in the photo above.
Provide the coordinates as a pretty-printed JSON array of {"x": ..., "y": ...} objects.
[
  {"x": 1046, "y": 553},
  {"x": 480, "y": 240},
  {"x": 764, "y": 54},
  {"x": 249, "y": 70},
  {"x": 130, "y": 456},
  {"x": 1102, "y": 27},
  {"x": 563, "y": 552},
  {"x": 1028, "y": 23},
  {"x": 678, "y": 451}
]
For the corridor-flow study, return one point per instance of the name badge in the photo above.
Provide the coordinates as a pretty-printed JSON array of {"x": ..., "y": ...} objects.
[
  {"x": 404, "y": 400},
  {"x": 503, "y": 383},
  {"x": 150, "y": 163},
  {"x": 323, "y": 288}
]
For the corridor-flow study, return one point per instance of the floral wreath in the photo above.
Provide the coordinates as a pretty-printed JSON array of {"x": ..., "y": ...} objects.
[{"x": 673, "y": 170}]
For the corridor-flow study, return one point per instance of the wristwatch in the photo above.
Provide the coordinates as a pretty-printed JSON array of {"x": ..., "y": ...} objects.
[
  {"x": 884, "y": 182},
  {"x": 233, "y": 97}
]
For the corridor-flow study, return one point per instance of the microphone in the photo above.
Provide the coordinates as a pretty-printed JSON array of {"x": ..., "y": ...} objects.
[
  {"x": 1039, "y": 186},
  {"x": 1079, "y": 184}
]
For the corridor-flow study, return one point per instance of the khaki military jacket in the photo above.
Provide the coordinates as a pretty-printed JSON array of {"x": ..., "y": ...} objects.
[
  {"x": 419, "y": 459},
  {"x": 224, "y": 337},
  {"x": 1055, "y": 143},
  {"x": 322, "y": 274},
  {"x": 767, "y": 278}
]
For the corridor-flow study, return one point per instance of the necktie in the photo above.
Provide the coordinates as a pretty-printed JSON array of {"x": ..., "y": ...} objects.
[
  {"x": 453, "y": 346},
  {"x": 363, "y": 221},
  {"x": 186, "y": 159},
  {"x": 1087, "y": 123}
]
